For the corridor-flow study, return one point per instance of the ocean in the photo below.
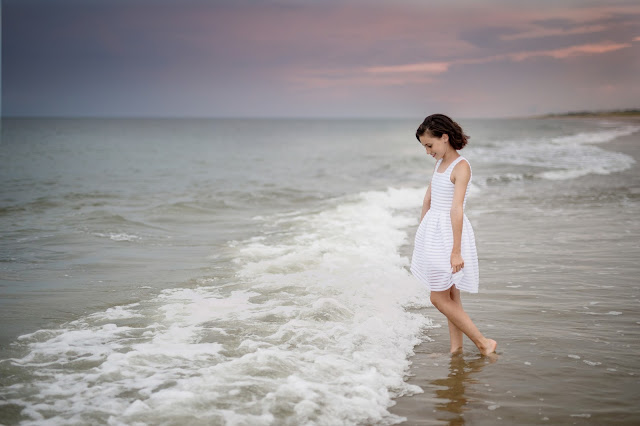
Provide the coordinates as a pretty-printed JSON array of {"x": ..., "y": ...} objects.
[{"x": 255, "y": 272}]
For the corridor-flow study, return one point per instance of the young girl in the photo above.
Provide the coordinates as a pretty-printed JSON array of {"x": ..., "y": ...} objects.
[{"x": 444, "y": 255}]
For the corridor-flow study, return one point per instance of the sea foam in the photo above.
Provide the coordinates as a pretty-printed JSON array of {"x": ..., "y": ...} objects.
[
  {"x": 315, "y": 330},
  {"x": 565, "y": 157}
]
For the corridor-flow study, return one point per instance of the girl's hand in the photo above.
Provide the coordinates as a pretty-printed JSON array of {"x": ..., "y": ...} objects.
[{"x": 457, "y": 262}]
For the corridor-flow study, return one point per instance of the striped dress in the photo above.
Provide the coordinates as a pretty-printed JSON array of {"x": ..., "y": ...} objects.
[{"x": 431, "y": 260}]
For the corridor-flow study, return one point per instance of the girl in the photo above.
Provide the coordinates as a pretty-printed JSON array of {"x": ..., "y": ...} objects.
[{"x": 444, "y": 254}]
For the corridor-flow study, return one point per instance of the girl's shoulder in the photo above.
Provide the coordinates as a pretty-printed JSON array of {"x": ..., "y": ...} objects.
[
  {"x": 463, "y": 160},
  {"x": 461, "y": 169}
]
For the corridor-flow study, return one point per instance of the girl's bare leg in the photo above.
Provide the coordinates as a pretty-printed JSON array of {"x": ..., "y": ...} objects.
[
  {"x": 455, "y": 314},
  {"x": 455, "y": 334}
]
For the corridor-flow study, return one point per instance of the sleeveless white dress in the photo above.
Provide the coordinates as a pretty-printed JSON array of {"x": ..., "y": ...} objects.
[{"x": 431, "y": 260}]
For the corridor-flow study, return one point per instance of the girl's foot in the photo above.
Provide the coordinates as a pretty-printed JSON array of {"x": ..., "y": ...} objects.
[
  {"x": 456, "y": 350},
  {"x": 489, "y": 347}
]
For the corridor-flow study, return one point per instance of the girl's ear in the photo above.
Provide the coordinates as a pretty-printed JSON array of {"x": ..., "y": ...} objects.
[{"x": 445, "y": 138}]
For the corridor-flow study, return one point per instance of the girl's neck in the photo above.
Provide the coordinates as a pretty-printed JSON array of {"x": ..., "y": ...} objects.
[{"x": 450, "y": 155}]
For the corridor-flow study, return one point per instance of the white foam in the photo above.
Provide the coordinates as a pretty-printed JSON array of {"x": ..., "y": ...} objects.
[
  {"x": 315, "y": 331},
  {"x": 118, "y": 236},
  {"x": 567, "y": 157},
  {"x": 118, "y": 312},
  {"x": 598, "y": 136}
]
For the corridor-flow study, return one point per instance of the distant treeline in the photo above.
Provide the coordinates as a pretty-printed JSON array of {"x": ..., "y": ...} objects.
[{"x": 617, "y": 112}]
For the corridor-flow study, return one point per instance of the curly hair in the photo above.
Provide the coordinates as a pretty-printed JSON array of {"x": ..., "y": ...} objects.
[{"x": 438, "y": 125}]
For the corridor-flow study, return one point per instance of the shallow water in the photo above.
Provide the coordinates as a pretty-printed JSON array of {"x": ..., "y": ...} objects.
[
  {"x": 560, "y": 292},
  {"x": 256, "y": 272}
]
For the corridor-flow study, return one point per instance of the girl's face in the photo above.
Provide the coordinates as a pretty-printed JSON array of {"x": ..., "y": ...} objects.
[{"x": 436, "y": 147}]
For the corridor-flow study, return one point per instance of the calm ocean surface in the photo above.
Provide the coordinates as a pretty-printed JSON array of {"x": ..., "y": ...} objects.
[{"x": 255, "y": 272}]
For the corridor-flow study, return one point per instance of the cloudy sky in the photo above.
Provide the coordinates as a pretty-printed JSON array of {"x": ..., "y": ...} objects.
[{"x": 287, "y": 58}]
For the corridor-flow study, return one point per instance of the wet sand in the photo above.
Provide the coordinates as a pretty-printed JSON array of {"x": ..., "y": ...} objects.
[{"x": 559, "y": 291}]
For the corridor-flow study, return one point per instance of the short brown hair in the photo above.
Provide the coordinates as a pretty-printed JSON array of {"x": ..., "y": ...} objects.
[{"x": 439, "y": 124}]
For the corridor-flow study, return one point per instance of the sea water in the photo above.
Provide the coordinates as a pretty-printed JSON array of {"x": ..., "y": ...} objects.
[{"x": 232, "y": 271}]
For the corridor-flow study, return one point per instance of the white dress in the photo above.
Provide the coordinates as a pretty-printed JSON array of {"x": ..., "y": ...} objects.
[{"x": 431, "y": 260}]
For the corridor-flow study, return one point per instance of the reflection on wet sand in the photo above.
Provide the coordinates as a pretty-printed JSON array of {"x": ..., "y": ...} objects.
[{"x": 451, "y": 408}]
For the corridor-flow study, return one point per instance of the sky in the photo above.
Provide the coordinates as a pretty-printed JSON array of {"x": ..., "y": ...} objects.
[{"x": 343, "y": 59}]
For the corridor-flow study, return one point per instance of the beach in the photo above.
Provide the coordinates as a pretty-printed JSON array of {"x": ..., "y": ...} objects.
[
  {"x": 175, "y": 271},
  {"x": 560, "y": 293}
]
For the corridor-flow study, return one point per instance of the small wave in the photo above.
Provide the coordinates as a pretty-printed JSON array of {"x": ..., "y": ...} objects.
[
  {"x": 193, "y": 208},
  {"x": 118, "y": 236},
  {"x": 599, "y": 136},
  {"x": 35, "y": 206},
  {"x": 33, "y": 237},
  {"x": 564, "y": 157},
  {"x": 506, "y": 178},
  {"x": 117, "y": 312},
  {"x": 96, "y": 195},
  {"x": 106, "y": 219}
]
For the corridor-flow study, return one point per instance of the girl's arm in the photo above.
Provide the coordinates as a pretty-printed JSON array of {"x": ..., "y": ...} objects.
[
  {"x": 460, "y": 177},
  {"x": 426, "y": 203}
]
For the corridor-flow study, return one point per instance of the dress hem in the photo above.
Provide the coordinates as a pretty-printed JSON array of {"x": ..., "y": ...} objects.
[{"x": 422, "y": 281}]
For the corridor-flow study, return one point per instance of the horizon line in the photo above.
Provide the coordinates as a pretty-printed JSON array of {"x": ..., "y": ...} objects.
[{"x": 317, "y": 117}]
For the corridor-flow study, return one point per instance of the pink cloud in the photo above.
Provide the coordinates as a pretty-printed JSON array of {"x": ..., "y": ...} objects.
[
  {"x": 570, "y": 51},
  {"x": 415, "y": 72},
  {"x": 426, "y": 67},
  {"x": 537, "y": 32}
]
